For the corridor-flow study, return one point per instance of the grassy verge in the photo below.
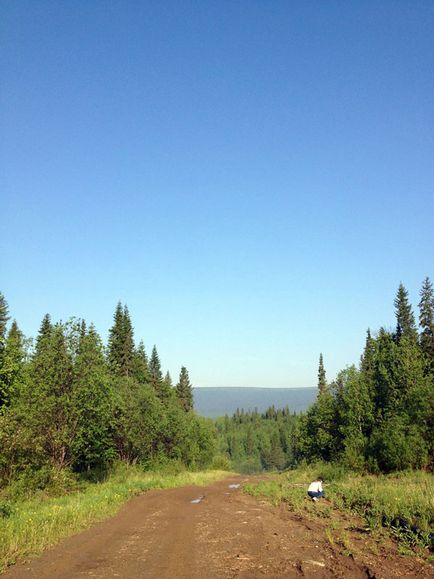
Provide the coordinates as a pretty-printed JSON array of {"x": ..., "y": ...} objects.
[
  {"x": 402, "y": 502},
  {"x": 27, "y": 527}
]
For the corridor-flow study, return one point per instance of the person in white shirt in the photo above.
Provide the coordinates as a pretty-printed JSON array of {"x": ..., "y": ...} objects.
[{"x": 315, "y": 490}]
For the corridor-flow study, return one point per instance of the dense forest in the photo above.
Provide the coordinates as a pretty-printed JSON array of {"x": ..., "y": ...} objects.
[
  {"x": 377, "y": 417},
  {"x": 70, "y": 404},
  {"x": 254, "y": 442}
]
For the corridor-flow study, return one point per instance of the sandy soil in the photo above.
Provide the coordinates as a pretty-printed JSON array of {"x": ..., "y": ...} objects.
[{"x": 162, "y": 534}]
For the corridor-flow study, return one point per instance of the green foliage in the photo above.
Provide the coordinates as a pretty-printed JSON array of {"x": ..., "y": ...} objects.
[
  {"x": 12, "y": 365},
  {"x": 137, "y": 420},
  {"x": 426, "y": 321},
  {"x": 318, "y": 431},
  {"x": 21, "y": 447},
  {"x": 405, "y": 323},
  {"x": 70, "y": 408},
  {"x": 254, "y": 442},
  {"x": 47, "y": 402},
  {"x": 273, "y": 457},
  {"x": 161, "y": 388},
  {"x": 322, "y": 382},
  {"x": 92, "y": 406},
  {"x": 404, "y": 503},
  {"x": 379, "y": 416},
  {"x": 5, "y": 510},
  {"x": 33, "y": 524},
  {"x": 140, "y": 364},
  {"x": 4, "y": 317},
  {"x": 121, "y": 343},
  {"x": 184, "y": 391},
  {"x": 396, "y": 445}
]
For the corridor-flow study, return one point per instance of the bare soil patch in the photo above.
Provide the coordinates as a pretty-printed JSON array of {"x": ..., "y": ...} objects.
[{"x": 226, "y": 534}]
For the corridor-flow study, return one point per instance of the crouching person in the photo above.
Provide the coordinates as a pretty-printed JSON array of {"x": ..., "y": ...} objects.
[{"x": 315, "y": 490}]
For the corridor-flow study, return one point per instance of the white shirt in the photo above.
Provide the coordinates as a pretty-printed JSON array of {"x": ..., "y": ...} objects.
[{"x": 315, "y": 487}]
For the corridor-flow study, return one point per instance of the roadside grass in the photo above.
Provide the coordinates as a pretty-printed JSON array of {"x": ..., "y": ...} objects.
[
  {"x": 29, "y": 526},
  {"x": 402, "y": 502}
]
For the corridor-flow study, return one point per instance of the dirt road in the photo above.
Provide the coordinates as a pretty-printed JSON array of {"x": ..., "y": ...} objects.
[{"x": 225, "y": 534}]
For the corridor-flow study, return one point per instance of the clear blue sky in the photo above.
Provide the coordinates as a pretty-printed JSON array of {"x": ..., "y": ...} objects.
[{"x": 253, "y": 178}]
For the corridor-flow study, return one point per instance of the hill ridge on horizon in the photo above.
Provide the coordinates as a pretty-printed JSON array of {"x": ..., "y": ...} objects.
[
  {"x": 214, "y": 401},
  {"x": 258, "y": 387}
]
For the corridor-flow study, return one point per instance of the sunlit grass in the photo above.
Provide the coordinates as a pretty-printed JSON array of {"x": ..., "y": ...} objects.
[
  {"x": 35, "y": 524},
  {"x": 402, "y": 502}
]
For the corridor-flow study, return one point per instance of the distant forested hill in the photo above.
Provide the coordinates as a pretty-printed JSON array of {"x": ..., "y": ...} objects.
[{"x": 215, "y": 402}]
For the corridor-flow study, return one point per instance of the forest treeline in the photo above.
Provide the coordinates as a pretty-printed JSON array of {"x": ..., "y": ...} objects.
[
  {"x": 378, "y": 416},
  {"x": 68, "y": 403}
]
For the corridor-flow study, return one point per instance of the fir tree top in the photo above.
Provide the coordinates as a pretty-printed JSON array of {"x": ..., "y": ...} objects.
[
  {"x": 426, "y": 321},
  {"x": 322, "y": 382},
  {"x": 4, "y": 317},
  {"x": 405, "y": 324}
]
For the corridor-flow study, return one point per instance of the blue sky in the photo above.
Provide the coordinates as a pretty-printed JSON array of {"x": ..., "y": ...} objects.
[{"x": 253, "y": 178}]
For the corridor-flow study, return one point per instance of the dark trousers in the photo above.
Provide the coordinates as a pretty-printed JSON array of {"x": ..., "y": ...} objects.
[{"x": 316, "y": 494}]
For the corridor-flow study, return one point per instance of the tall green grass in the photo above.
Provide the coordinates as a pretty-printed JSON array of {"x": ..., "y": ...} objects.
[
  {"x": 397, "y": 501},
  {"x": 29, "y": 526}
]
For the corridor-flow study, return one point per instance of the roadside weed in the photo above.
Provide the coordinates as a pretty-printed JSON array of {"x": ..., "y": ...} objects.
[
  {"x": 404, "y": 502},
  {"x": 34, "y": 524}
]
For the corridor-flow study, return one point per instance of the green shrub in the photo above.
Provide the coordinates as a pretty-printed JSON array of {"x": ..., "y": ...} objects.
[
  {"x": 403, "y": 502},
  {"x": 5, "y": 510},
  {"x": 47, "y": 479},
  {"x": 221, "y": 462}
]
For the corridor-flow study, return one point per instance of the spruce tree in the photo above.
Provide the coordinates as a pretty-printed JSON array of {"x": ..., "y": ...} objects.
[
  {"x": 367, "y": 364},
  {"x": 168, "y": 380},
  {"x": 184, "y": 391},
  {"x": 322, "y": 383},
  {"x": 385, "y": 374},
  {"x": 405, "y": 323},
  {"x": 355, "y": 416},
  {"x": 156, "y": 376},
  {"x": 140, "y": 364},
  {"x": 368, "y": 356},
  {"x": 92, "y": 405},
  {"x": 115, "y": 340},
  {"x": 49, "y": 398},
  {"x": 128, "y": 346},
  {"x": 155, "y": 372},
  {"x": 12, "y": 366},
  {"x": 4, "y": 317},
  {"x": 44, "y": 334},
  {"x": 426, "y": 322},
  {"x": 121, "y": 343}
]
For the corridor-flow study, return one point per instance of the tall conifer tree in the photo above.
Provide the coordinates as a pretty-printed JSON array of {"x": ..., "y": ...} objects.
[
  {"x": 121, "y": 343},
  {"x": 141, "y": 364},
  {"x": 426, "y": 322},
  {"x": 168, "y": 380},
  {"x": 44, "y": 334},
  {"x": 156, "y": 375},
  {"x": 12, "y": 366},
  {"x": 367, "y": 364},
  {"x": 49, "y": 403},
  {"x": 405, "y": 323},
  {"x": 92, "y": 406},
  {"x": 161, "y": 386},
  {"x": 184, "y": 391},
  {"x": 322, "y": 382},
  {"x": 4, "y": 317}
]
